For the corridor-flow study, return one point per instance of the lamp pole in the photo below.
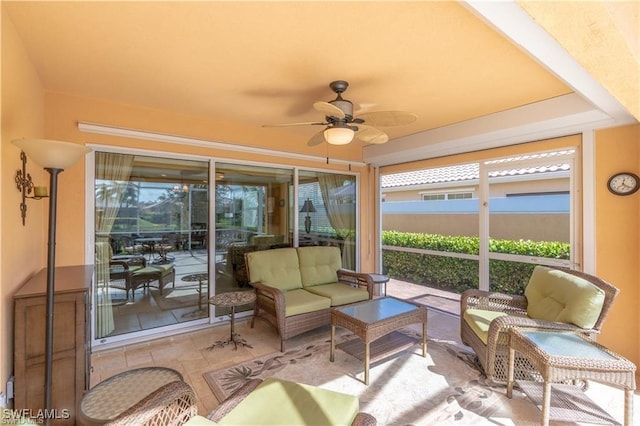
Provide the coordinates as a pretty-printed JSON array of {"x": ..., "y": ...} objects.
[{"x": 51, "y": 279}]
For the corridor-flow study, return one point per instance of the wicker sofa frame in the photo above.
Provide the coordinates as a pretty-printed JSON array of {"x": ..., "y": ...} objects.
[
  {"x": 494, "y": 356},
  {"x": 270, "y": 305},
  {"x": 361, "y": 419}
]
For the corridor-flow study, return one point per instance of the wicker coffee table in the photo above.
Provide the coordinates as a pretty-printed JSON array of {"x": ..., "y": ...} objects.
[
  {"x": 564, "y": 356},
  {"x": 375, "y": 322}
]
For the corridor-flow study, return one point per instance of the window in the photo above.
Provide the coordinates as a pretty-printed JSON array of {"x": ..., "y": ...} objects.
[{"x": 447, "y": 196}]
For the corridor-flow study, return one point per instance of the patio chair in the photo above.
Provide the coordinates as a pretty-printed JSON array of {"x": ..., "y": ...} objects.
[
  {"x": 121, "y": 267},
  {"x": 554, "y": 299}
]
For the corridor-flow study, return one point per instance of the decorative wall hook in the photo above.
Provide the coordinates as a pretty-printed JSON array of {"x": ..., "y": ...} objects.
[{"x": 25, "y": 186}]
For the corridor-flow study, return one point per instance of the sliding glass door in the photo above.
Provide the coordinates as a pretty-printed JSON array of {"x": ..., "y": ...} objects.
[
  {"x": 151, "y": 258},
  {"x": 251, "y": 213},
  {"x": 165, "y": 243},
  {"x": 528, "y": 217}
]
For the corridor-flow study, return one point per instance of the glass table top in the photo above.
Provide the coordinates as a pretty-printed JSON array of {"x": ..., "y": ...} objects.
[
  {"x": 377, "y": 309},
  {"x": 566, "y": 344}
]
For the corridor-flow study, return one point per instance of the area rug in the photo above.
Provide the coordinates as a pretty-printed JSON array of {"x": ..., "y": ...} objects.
[{"x": 445, "y": 387}]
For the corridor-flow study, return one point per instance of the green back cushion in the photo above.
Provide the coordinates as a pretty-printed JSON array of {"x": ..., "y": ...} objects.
[
  {"x": 555, "y": 295},
  {"x": 279, "y": 402},
  {"x": 319, "y": 265},
  {"x": 276, "y": 268}
]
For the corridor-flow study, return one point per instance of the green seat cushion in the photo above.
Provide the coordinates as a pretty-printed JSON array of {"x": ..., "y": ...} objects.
[
  {"x": 300, "y": 301},
  {"x": 279, "y": 402},
  {"x": 340, "y": 294},
  {"x": 119, "y": 269},
  {"x": 276, "y": 268},
  {"x": 156, "y": 270},
  {"x": 479, "y": 321},
  {"x": 555, "y": 295},
  {"x": 319, "y": 265}
]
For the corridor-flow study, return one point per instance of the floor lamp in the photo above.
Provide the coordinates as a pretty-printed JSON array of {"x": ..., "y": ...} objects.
[{"x": 54, "y": 157}]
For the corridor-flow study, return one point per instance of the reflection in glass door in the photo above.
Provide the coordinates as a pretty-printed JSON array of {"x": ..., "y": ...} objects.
[
  {"x": 327, "y": 213},
  {"x": 151, "y": 254},
  {"x": 251, "y": 213}
]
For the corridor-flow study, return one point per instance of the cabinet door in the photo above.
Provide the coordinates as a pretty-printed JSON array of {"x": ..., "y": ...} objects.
[{"x": 69, "y": 346}]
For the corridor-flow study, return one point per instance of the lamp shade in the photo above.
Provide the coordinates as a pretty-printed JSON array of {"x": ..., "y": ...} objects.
[
  {"x": 308, "y": 207},
  {"x": 338, "y": 135},
  {"x": 51, "y": 154}
]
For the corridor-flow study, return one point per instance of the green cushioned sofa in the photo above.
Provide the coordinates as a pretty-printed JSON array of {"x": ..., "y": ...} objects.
[
  {"x": 297, "y": 287},
  {"x": 555, "y": 299}
]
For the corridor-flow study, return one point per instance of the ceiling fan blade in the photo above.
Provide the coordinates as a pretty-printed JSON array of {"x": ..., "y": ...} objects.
[
  {"x": 328, "y": 109},
  {"x": 388, "y": 118},
  {"x": 316, "y": 139},
  {"x": 368, "y": 134},
  {"x": 309, "y": 123}
]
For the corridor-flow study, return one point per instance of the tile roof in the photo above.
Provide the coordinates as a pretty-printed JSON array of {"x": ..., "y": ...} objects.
[{"x": 461, "y": 173}]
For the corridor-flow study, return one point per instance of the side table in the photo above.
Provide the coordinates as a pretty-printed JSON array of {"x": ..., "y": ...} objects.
[
  {"x": 200, "y": 277},
  {"x": 565, "y": 356},
  {"x": 231, "y": 300},
  {"x": 113, "y": 396},
  {"x": 380, "y": 280}
]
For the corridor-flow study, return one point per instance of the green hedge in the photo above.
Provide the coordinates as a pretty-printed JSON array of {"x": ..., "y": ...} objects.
[{"x": 456, "y": 275}]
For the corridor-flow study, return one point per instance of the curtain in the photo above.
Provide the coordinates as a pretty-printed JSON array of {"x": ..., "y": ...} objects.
[
  {"x": 339, "y": 202},
  {"x": 112, "y": 178}
]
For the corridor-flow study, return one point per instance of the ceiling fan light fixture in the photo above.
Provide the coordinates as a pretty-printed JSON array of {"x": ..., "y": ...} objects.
[{"x": 338, "y": 135}]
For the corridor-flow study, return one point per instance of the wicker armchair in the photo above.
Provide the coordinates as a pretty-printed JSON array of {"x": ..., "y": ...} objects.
[
  {"x": 171, "y": 405},
  {"x": 493, "y": 354}
]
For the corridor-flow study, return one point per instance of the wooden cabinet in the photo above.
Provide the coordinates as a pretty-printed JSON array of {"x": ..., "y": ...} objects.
[{"x": 71, "y": 340}]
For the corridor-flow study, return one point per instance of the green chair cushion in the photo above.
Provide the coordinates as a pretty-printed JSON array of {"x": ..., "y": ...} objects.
[
  {"x": 479, "y": 321},
  {"x": 300, "y": 301},
  {"x": 319, "y": 265},
  {"x": 156, "y": 270},
  {"x": 279, "y": 402},
  {"x": 555, "y": 295},
  {"x": 276, "y": 268},
  {"x": 340, "y": 294}
]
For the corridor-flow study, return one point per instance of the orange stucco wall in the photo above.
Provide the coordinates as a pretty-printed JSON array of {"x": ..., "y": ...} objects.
[
  {"x": 21, "y": 247},
  {"x": 618, "y": 237}
]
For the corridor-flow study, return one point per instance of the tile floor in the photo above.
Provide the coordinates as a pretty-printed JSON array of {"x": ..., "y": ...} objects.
[{"x": 189, "y": 354}]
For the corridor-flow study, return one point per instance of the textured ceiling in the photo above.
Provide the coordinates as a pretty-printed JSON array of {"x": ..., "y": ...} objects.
[{"x": 255, "y": 63}]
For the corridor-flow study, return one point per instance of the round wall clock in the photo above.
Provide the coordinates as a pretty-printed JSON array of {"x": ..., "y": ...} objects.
[{"x": 625, "y": 183}]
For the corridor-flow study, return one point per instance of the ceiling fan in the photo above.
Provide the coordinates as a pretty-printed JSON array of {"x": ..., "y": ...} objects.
[{"x": 341, "y": 127}]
